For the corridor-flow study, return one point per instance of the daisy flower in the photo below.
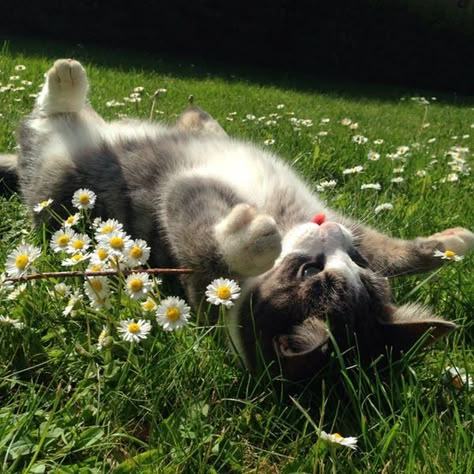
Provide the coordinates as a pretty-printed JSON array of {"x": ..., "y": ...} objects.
[
  {"x": 132, "y": 331},
  {"x": 116, "y": 242},
  {"x": 15, "y": 323},
  {"x": 149, "y": 305},
  {"x": 84, "y": 199},
  {"x": 355, "y": 170},
  {"x": 42, "y": 205},
  {"x": 98, "y": 291},
  {"x": 346, "y": 121},
  {"x": 375, "y": 186},
  {"x": 336, "y": 440},
  {"x": 61, "y": 239},
  {"x": 79, "y": 243},
  {"x": 5, "y": 286},
  {"x": 397, "y": 180},
  {"x": 355, "y": 126},
  {"x": 73, "y": 304},
  {"x": 20, "y": 67},
  {"x": 99, "y": 255},
  {"x": 137, "y": 253},
  {"x": 62, "y": 290},
  {"x": 172, "y": 313},
  {"x": 378, "y": 141},
  {"x": 103, "y": 340},
  {"x": 75, "y": 259},
  {"x": 458, "y": 378},
  {"x": 137, "y": 285},
  {"x": 403, "y": 150},
  {"x": 17, "y": 291},
  {"x": 106, "y": 227},
  {"x": 72, "y": 220},
  {"x": 448, "y": 255},
  {"x": 373, "y": 156},
  {"x": 323, "y": 185},
  {"x": 383, "y": 207},
  {"x": 222, "y": 292},
  {"x": 19, "y": 261}
]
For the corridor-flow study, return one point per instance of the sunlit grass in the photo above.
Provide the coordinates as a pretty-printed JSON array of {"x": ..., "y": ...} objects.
[{"x": 179, "y": 401}]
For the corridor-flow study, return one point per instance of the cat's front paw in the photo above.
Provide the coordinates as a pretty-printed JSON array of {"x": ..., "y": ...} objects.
[
  {"x": 65, "y": 88},
  {"x": 457, "y": 240},
  {"x": 249, "y": 242}
]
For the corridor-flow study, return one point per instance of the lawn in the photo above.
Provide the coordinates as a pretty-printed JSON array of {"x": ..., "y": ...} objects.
[{"x": 179, "y": 401}]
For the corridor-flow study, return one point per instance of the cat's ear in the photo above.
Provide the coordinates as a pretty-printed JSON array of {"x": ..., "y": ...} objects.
[
  {"x": 407, "y": 324},
  {"x": 196, "y": 120},
  {"x": 303, "y": 352}
]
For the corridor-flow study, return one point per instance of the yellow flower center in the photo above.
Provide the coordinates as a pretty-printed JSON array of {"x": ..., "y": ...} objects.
[
  {"x": 84, "y": 199},
  {"x": 44, "y": 203},
  {"x": 449, "y": 254},
  {"x": 116, "y": 242},
  {"x": 134, "y": 328},
  {"x": 97, "y": 285},
  {"x": 95, "y": 268},
  {"x": 21, "y": 261},
  {"x": 77, "y": 257},
  {"x": 136, "y": 284},
  {"x": 136, "y": 252},
  {"x": 63, "y": 240},
  {"x": 223, "y": 292},
  {"x": 102, "y": 253},
  {"x": 149, "y": 305},
  {"x": 107, "y": 228},
  {"x": 173, "y": 313},
  {"x": 338, "y": 437},
  {"x": 78, "y": 244},
  {"x": 70, "y": 220}
]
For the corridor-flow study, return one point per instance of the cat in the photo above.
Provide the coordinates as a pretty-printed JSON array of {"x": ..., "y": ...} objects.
[{"x": 223, "y": 207}]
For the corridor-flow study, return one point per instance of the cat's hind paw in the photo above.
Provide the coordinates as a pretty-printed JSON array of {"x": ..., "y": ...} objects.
[
  {"x": 65, "y": 88},
  {"x": 249, "y": 242}
]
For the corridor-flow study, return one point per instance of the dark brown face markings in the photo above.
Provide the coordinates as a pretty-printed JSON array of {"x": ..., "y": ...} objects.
[{"x": 297, "y": 303}]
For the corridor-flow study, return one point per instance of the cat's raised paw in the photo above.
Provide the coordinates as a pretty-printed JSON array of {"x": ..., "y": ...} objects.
[
  {"x": 249, "y": 242},
  {"x": 65, "y": 88},
  {"x": 457, "y": 239}
]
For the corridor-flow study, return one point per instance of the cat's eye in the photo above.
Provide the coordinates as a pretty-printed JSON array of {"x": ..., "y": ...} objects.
[{"x": 310, "y": 269}]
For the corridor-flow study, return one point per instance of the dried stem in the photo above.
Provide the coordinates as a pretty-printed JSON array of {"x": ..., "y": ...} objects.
[{"x": 78, "y": 273}]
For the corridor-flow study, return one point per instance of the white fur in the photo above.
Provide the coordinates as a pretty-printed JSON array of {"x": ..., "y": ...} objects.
[
  {"x": 458, "y": 240},
  {"x": 65, "y": 88},
  {"x": 249, "y": 242},
  {"x": 330, "y": 239}
]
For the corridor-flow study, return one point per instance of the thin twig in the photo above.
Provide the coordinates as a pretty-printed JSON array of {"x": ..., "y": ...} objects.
[{"x": 78, "y": 273}]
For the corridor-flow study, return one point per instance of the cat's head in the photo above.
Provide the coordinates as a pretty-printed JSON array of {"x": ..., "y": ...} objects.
[{"x": 321, "y": 294}]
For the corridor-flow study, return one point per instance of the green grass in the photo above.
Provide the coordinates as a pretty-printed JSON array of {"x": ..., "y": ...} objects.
[{"x": 179, "y": 402}]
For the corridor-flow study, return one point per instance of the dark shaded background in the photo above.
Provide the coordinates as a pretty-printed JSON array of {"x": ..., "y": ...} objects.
[{"x": 423, "y": 43}]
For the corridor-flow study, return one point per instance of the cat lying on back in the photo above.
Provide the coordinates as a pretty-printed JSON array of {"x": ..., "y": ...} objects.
[{"x": 227, "y": 208}]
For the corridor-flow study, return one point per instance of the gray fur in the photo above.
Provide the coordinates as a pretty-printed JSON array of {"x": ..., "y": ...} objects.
[{"x": 173, "y": 185}]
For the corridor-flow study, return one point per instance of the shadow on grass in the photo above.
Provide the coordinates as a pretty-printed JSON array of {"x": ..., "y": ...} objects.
[{"x": 195, "y": 67}]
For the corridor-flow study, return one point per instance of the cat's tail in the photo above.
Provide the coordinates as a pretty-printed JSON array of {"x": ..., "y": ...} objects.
[{"x": 8, "y": 174}]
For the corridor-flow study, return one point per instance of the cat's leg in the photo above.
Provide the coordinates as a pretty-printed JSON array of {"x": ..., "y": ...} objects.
[
  {"x": 210, "y": 230},
  {"x": 65, "y": 88},
  {"x": 196, "y": 120},
  {"x": 394, "y": 257}
]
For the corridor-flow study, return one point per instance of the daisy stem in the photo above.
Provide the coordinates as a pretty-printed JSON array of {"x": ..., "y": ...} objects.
[
  {"x": 89, "y": 339},
  {"x": 332, "y": 451}
]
